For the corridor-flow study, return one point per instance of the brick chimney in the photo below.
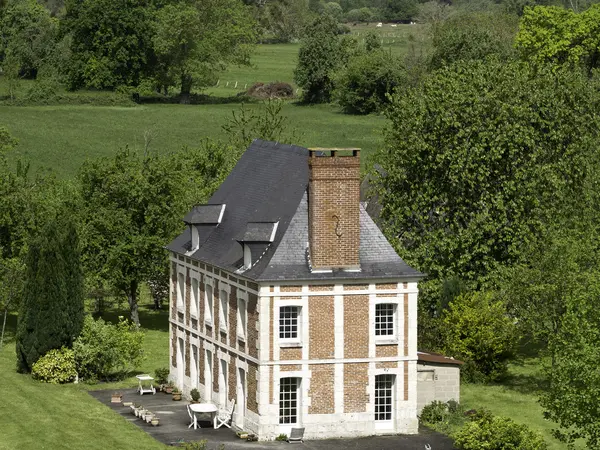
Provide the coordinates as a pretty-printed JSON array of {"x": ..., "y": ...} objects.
[{"x": 333, "y": 208}]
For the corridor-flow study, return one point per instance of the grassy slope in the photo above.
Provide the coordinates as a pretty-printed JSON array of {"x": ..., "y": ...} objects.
[
  {"x": 517, "y": 398},
  {"x": 62, "y": 137},
  {"x": 35, "y": 415}
]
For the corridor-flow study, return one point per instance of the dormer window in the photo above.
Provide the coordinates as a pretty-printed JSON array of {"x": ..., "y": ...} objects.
[
  {"x": 203, "y": 217},
  {"x": 255, "y": 240}
]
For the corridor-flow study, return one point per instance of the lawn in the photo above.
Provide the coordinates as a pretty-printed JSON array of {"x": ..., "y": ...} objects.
[
  {"x": 35, "y": 415},
  {"x": 517, "y": 398},
  {"x": 63, "y": 137}
]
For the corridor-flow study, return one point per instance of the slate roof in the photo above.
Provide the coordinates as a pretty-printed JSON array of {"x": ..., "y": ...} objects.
[
  {"x": 204, "y": 214},
  {"x": 269, "y": 184}
]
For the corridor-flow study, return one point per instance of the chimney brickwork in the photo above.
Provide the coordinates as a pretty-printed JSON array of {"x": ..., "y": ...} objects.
[{"x": 333, "y": 209}]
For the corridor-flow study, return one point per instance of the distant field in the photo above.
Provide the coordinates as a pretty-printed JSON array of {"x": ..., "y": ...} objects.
[{"x": 63, "y": 137}]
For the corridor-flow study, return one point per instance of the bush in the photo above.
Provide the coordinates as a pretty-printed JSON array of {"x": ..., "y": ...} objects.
[
  {"x": 105, "y": 350},
  {"x": 161, "y": 375},
  {"x": 478, "y": 329},
  {"x": 56, "y": 367},
  {"x": 43, "y": 91},
  {"x": 271, "y": 90},
  {"x": 195, "y": 394},
  {"x": 433, "y": 412},
  {"x": 363, "y": 86},
  {"x": 486, "y": 432}
]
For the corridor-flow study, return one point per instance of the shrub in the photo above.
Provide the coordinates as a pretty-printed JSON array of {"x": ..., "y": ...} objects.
[
  {"x": 56, "y": 366},
  {"x": 195, "y": 393},
  {"x": 103, "y": 350},
  {"x": 478, "y": 329},
  {"x": 281, "y": 437},
  {"x": 433, "y": 412},
  {"x": 43, "y": 91},
  {"x": 496, "y": 433},
  {"x": 363, "y": 86},
  {"x": 198, "y": 445},
  {"x": 161, "y": 375},
  {"x": 271, "y": 90}
]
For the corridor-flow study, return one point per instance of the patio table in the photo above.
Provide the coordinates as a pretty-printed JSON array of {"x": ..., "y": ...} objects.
[
  {"x": 141, "y": 390},
  {"x": 204, "y": 408}
]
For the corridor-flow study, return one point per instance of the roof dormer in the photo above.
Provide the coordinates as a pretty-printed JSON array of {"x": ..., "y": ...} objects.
[
  {"x": 202, "y": 215},
  {"x": 255, "y": 240}
]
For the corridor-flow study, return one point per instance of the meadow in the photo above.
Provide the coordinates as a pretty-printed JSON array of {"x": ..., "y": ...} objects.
[{"x": 61, "y": 137}]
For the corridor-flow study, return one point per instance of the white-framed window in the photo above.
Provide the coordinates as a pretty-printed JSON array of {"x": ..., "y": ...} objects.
[
  {"x": 180, "y": 291},
  {"x": 384, "y": 397},
  {"x": 194, "y": 297},
  {"x": 208, "y": 303},
  {"x": 223, "y": 310},
  {"x": 208, "y": 376},
  {"x": 223, "y": 382},
  {"x": 290, "y": 325},
  {"x": 289, "y": 400},
  {"x": 242, "y": 318},
  {"x": 385, "y": 320}
]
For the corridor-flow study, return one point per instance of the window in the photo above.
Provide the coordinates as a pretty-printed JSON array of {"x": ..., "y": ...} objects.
[
  {"x": 384, "y": 396},
  {"x": 208, "y": 376},
  {"x": 194, "y": 299},
  {"x": 208, "y": 304},
  {"x": 241, "y": 319},
  {"x": 289, "y": 323},
  {"x": 223, "y": 310},
  {"x": 288, "y": 400},
  {"x": 223, "y": 384},
  {"x": 384, "y": 319},
  {"x": 180, "y": 290}
]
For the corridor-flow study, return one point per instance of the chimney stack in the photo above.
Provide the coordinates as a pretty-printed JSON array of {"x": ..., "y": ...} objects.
[{"x": 333, "y": 208}]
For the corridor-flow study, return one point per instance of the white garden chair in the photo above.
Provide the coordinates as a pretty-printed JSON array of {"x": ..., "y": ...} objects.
[
  {"x": 224, "y": 415},
  {"x": 296, "y": 435},
  {"x": 194, "y": 422}
]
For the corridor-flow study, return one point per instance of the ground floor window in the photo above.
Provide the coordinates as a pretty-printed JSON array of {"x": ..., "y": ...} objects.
[
  {"x": 288, "y": 400},
  {"x": 384, "y": 385}
]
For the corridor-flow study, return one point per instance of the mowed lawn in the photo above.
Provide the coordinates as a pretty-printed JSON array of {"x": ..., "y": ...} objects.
[
  {"x": 63, "y": 137},
  {"x": 35, "y": 415},
  {"x": 516, "y": 398}
]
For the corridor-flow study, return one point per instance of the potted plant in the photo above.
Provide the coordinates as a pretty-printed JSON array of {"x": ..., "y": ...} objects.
[
  {"x": 242, "y": 434},
  {"x": 176, "y": 394},
  {"x": 154, "y": 421},
  {"x": 161, "y": 375},
  {"x": 149, "y": 417},
  {"x": 168, "y": 388},
  {"x": 116, "y": 397},
  {"x": 195, "y": 394}
]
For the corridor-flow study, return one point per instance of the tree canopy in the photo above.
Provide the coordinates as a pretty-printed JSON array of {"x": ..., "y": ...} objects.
[
  {"x": 560, "y": 37},
  {"x": 480, "y": 159}
]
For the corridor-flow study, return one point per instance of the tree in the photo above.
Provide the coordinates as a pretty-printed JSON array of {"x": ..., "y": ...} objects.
[
  {"x": 362, "y": 87},
  {"x": 28, "y": 36},
  {"x": 479, "y": 330},
  {"x": 480, "y": 159},
  {"x": 574, "y": 379},
  {"x": 537, "y": 289},
  {"x": 560, "y": 37},
  {"x": 194, "y": 40},
  {"x": 321, "y": 54},
  {"x": 11, "y": 287},
  {"x": 334, "y": 10},
  {"x": 111, "y": 42},
  {"x": 132, "y": 207},
  {"x": 464, "y": 37},
  {"x": 51, "y": 314},
  {"x": 401, "y": 10}
]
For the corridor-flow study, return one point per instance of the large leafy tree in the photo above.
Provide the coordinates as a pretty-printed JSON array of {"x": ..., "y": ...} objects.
[
  {"x": 51, "y": 313},
  {"x": 474, "y": 35},
  {"x": 321, "y": 53},
  {"x": 194, "y": 40},
  {"x": 480, "y": 159},
  {"x": 27, "y": 36},
  {"x": 574, "y": 380},
  {"x": 560, "y": 37},
  {"x": 132, "y": 208},
  {"x": 111, "y": 42}
]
